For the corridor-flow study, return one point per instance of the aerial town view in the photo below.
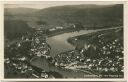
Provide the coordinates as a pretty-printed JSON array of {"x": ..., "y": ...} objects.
[{"x": 63, "y": 40}]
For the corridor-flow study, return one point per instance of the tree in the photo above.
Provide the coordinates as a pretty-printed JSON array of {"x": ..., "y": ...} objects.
[{"x": 79, "y": 26}]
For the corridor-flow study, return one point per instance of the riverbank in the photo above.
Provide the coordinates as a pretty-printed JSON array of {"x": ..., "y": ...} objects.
[
  {"x": 81, "y": 41},
  {"x": 64, "y": 41},
  {"x": 66, "y": 57},
  {"x": 65, "y": 73}
]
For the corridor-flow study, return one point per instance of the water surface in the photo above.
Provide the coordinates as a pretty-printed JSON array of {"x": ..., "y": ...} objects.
[{"x": 59, "y": 42}]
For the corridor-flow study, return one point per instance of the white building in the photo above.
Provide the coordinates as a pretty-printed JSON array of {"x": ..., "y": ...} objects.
[
  {"x": 59, "y": 27},
  {"x": 52, "y": 29}
]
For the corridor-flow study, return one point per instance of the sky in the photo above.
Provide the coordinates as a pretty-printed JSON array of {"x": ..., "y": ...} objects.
[{"x": 45, "y": 4}]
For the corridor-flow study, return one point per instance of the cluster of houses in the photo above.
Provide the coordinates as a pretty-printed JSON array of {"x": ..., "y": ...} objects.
[
  {"x": 53, "y": 28},
  {"x": 105, "y": 58},
  {"x": 20, "y": 54}
]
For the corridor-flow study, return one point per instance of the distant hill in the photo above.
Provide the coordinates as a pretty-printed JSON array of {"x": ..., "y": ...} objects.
[
  {"x": 90, "y": 16},
  {"x": 15, "y": 29},
  {"x": 19, "y": 11}
]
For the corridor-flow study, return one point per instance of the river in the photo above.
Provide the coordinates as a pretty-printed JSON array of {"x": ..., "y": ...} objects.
[{"x": 59, "y": 42}]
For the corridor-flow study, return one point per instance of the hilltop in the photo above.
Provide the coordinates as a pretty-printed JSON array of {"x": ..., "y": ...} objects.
[{"x": 89, "y": 16}]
